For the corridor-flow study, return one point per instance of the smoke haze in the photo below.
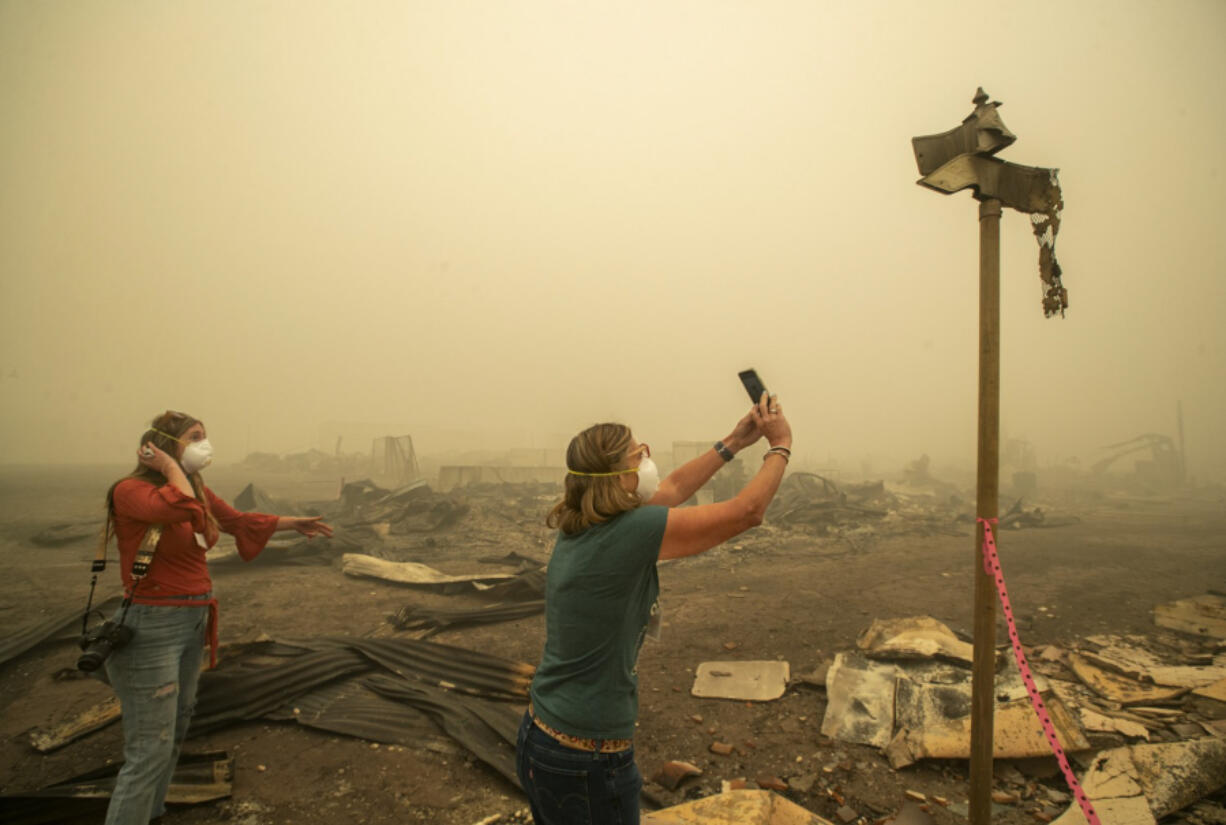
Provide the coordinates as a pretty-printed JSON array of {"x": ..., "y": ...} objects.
[{"x": 490, "y": 225}]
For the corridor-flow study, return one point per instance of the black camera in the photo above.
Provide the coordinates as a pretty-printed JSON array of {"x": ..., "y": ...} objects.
[{"x": 101, "y": 643}]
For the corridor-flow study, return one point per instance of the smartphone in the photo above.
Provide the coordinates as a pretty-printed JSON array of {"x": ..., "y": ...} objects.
[{"x": 753, "y": 384}]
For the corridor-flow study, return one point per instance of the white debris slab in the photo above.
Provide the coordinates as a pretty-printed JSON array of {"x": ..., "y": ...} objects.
[
  {"x": 752, "y": 681},
  {"x": 860, "y": 700},
  {"x": 408, "y": 572},
  {"x": 918, "y": 637}
]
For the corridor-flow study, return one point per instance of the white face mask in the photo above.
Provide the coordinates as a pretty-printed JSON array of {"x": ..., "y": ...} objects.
[
  {"x": 196, "y": 456},
  {"x": 649, "y": 479}
]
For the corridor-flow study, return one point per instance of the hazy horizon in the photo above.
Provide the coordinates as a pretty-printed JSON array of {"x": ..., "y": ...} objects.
[{"x": 491, "y": 225}]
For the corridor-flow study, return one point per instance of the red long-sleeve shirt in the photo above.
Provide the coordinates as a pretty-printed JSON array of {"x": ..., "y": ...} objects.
[{"x": 179, "y": 567}]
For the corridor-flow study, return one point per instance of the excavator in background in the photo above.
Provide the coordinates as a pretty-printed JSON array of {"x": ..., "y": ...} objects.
[{"x": 1163, "y": 470}]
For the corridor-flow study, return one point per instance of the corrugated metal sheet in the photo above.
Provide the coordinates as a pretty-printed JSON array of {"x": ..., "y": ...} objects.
[{"x": 199, "y": 777}]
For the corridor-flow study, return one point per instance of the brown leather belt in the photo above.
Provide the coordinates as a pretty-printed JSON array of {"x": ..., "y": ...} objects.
[{"x": 579, "y": 743}]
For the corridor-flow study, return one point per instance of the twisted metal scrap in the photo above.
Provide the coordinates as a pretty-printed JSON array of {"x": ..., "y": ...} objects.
[
  {"x": 963, "y": 158},
  {"x": 1046, "y": 226}
]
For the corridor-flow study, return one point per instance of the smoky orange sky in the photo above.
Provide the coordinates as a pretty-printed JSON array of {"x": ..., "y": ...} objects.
[{"x": 491, "y": 224}]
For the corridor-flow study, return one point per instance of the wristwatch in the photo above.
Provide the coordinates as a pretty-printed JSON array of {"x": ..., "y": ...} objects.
[{"x": 723, "y": 451}]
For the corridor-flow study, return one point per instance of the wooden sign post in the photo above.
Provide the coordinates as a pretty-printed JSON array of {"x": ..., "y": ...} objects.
[{"x": 949, "y": 162}]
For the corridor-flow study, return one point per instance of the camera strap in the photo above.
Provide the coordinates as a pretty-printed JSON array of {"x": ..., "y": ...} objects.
[
  {"x": 140, "y": 566},
  {"x": 96, "y": 567},
  {"x": 144, "y": 553}
]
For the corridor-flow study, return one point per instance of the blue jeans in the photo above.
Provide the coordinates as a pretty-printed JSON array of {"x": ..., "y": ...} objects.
[
  {"x": 566, "y": 786},
  {"x": 155, "y": 677}
]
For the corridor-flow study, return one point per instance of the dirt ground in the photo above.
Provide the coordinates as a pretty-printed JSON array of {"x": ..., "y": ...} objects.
[{"x": 773, "y": 593}]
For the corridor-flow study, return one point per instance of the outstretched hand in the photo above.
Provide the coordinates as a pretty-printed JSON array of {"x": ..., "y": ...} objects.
[{"x": 309, "y": 526}]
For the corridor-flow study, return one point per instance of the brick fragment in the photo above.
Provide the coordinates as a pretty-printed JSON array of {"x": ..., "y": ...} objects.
[{"x": 671, "y": 774}]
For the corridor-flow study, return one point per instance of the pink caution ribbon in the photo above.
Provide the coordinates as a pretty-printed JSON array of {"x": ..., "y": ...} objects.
[{"x": 991, "y": 566}]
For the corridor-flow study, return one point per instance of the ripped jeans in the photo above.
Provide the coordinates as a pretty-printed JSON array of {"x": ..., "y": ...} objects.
[{"x": 155, "y": 677}]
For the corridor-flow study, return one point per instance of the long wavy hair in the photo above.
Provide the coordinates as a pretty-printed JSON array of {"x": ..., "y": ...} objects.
[
  {"x": 169, "y": 423},
  {"x": 589, "y": 501}
]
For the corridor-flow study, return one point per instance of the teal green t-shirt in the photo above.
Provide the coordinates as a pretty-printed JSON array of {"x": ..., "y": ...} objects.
[{"x": 601, "y": 587}]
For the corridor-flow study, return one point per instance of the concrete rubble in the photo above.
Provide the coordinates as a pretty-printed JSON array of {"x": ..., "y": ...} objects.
[
  {"x": 916, "y": 505},
  {"x": 1140, "y": 784},
  {"x": 1145, "y": 713},
  {"x": 1140, "y": 710},
  {"x": 412, "y": 508},
  {"x": 736, "y": 807},
  {"x": 915, "y": 709}
]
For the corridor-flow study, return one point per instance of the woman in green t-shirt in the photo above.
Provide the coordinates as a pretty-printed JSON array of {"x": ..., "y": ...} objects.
[{"x": 575, "y": 753}]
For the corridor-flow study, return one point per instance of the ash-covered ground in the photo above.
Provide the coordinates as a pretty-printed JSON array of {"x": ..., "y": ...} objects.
[{"x": 800, "y": 588}]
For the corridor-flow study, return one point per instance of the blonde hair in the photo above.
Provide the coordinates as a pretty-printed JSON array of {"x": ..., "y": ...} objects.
[{"x": 588, "y": 501}]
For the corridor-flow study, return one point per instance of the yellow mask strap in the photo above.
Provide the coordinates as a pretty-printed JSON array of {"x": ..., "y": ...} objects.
[
  {"x": 168, "y": 435},
  {"x": 639, "y": 451}
]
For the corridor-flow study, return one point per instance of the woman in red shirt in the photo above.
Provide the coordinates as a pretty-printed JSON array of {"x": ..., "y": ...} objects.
[{"x": 173, "y": 610}]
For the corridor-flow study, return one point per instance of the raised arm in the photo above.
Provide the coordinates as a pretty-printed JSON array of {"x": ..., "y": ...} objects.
[
  {"x": 233, "y": 521},
  {"x": 684, "y": 481},
  {"x": 692, "y": 530},
  {"x": 152, "y": 456},
  {"x": 150, "y": 504}
]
